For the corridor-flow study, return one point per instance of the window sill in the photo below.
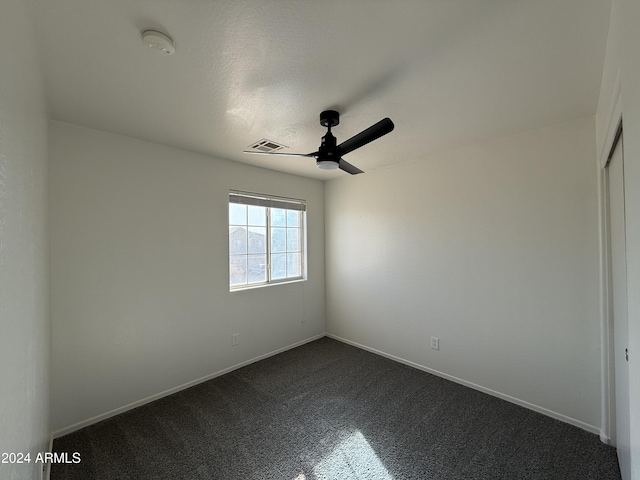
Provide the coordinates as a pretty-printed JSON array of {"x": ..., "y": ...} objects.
[{"x": 288, "y": 281}]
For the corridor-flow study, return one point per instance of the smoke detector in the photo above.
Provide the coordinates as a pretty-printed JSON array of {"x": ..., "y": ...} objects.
[{"x": 159, "y": 41}]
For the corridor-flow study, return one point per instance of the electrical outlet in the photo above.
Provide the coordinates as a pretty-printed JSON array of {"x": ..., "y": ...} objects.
[
  {"x": 435, "y": 343},
  {"x": 235, "y": 339}
]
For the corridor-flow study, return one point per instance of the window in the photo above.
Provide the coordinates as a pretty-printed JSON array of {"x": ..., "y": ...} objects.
[{"x": 266, "y": 239}]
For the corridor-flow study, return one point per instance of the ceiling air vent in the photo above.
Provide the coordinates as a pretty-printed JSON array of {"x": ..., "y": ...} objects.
[{"x": 265, "y": 145}]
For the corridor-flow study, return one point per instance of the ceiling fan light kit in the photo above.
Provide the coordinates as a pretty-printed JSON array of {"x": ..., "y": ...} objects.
[
  {"x": 327, "y": 164},
  {"x": 329, "y": 155}
]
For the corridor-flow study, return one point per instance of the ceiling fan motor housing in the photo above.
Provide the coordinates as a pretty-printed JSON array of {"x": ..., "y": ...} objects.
[{"x": 328, "y": 147}]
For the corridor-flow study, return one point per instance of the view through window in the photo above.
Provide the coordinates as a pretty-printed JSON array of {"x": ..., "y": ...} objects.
[{"x": 266, "y": 237}]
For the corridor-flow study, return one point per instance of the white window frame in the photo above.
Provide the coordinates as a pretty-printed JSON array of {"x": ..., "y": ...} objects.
[{"x": 269, "y": 201}]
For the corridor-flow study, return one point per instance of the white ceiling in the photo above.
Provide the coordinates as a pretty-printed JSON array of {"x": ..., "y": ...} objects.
[{"x": 447, "y": 72}]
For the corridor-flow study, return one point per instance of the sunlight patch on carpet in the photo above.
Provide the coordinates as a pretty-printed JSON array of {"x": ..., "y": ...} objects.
[{"x": 352, "y": 459}]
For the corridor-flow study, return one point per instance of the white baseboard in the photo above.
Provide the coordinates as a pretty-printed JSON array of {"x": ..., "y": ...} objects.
[
  {"x": 157, "y": 396},
  {"x": 503, "y": 396}
]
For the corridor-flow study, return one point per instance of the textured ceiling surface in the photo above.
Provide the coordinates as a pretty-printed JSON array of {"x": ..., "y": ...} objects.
[{"x": 447, "y": 72}]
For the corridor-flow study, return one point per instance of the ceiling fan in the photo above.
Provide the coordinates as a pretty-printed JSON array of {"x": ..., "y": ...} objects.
[{"x": 329, "y": 155}]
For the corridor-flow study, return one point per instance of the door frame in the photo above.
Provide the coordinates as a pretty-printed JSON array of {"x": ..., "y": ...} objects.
[{"x": 607, "y": 385}]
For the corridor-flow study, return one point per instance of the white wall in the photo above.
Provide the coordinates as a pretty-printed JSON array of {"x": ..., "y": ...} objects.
[
  {"x": 24, "y": 287},
  {"x": 139, "y": 300},
  {"x": 621, "y": 79},
  {"x": 493, "y": 249}
]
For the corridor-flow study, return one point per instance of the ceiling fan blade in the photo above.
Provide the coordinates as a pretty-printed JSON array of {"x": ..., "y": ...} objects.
[
  {"x": 377, "y": 130},
  {"x": 347, "y": 167},
  {"x": 283, "y": 154}
]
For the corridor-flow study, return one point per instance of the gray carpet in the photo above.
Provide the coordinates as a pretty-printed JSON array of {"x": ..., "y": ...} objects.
[{"x": 327, "y": 410}]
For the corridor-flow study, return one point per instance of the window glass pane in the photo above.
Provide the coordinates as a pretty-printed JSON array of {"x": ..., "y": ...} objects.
[
  {"x": 278, "y": 240},
  {"x": 257, "y": 240},
  {"x": 293, "y": 264},
  {"x": 293, "y": 218},
  {"x": 278, "y": 266},
  {"x": 293, "y": 239},
  {"x": 237, "y": 270},
  {"x": 257, "y": 267},
  {"x": 265, "y": 240},
  {"x": 237, "y": 240},
  {"x": 257, "y": 216},
  {"x": 278, "y": 217},
  {"x": 237, "y": 214}
]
